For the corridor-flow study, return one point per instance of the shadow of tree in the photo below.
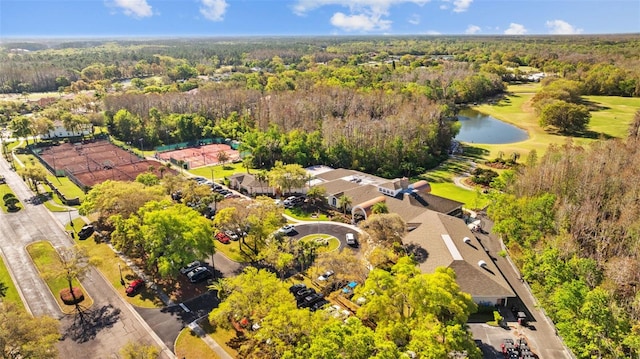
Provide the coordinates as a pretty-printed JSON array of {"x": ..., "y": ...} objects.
[
  {"x": 418, "y": 253},
  {"x": 88, "y": 323},
  {"x": 3, "y": 289}
]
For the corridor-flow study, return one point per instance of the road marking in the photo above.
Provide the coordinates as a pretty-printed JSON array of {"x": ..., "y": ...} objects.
[{"x": 185, "y": 308}]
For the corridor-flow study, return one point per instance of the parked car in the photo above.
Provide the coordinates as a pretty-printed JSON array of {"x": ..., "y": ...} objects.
[
  {"x": 134, "y": 287},
  {"x": 199, "y": 274},
  {"x": 287, "y": 229},
  {"x": 310, "y": 300},
  {"x": 86, "y": 232},
  {"x": 296, "y": 288},
  {"x": 317, "y": 305},
  {"x": 222, "y": 238},
  {"x": 301, "y": 294},
  {"x": 326, "y": 275},
  {"x": 351, "y": 239},
  {"x": 233, "y": 236},
  {"x": 190, "y": 266}
]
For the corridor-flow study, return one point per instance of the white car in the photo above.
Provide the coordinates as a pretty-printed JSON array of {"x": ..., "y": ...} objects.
[
  {"x": 287, "y": 229},
  {"x": 326, "y": 275},
  {"x": 351, "y": 239}
]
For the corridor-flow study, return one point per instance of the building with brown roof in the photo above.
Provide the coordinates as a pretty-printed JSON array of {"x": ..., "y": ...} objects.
[{"x": 446, "y": 241}]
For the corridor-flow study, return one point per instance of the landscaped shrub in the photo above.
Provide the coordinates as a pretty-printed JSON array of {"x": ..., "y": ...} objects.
[
  {"x": 69, "y": 298},
  {"x": 7, "y": 196},
  {"x": 11, "y": 204},
  {"x": 483, "y": 176}
]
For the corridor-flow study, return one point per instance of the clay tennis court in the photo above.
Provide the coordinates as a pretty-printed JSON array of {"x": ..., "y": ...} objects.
[
  {"x": 205, "y": 155},
  {"x": 93, "y": 162}
]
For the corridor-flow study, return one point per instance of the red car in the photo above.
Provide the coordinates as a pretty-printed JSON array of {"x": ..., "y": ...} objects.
[
  {"x": 223, "y": 238},
  {"x": 134, "y": 287}
]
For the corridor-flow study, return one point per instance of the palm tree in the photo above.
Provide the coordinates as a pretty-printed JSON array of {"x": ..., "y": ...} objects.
[
  {"x": 380, "y": 207},
  {"x": 344, "y": 202},
  {"x": 247, "y": 163},
  {"x": 262, "y": 178}
]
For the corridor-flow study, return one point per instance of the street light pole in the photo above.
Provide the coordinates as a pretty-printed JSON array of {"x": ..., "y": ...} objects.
[
  {"x": 120, "y": 270},
  {"x": 212, "y": 174},
  {"x": 71, "y": 221}
]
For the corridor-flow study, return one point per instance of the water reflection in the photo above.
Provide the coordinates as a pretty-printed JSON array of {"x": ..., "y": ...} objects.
[{"x": 477, "y": 127}]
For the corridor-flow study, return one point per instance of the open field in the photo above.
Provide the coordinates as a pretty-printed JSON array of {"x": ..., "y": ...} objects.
[{"x": 219, "y": 171}]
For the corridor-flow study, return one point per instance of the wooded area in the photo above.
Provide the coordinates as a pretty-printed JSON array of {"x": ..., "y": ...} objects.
[
  {"x": 571, "y": 223},
  {"x": 379, "y": 105}
]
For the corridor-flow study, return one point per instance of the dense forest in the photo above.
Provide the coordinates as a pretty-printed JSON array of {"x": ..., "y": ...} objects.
[
  {"x": 380, "y": 105},
  {"x": 384, "y": 106},
  {"x": 571, "y": 223}
]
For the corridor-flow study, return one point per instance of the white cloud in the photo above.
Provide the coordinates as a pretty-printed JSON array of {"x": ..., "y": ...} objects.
[
  {"x": 433, "y": 32},
  {"x": 359, "y": 22},
  {"x": 364, "y": 15},
  {"x": 515, "y": 29},
  {"x": 375, "y": 6},
  {"x": 213, "y": 9},
  {"x": 414, "y": 19},
  {"x": 472, "y": 29},
  {"x": 135, "y": 8},
  {"x": 560, "y": 27},
  {"x": 461, "y": 5}
]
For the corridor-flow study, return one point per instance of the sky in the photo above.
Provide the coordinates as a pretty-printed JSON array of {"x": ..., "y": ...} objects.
[{"x": 184, "y": 18}]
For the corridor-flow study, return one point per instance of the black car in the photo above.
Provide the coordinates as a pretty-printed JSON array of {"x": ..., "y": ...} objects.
[
  {"x": 311, "y": 300},
  {"x": 199, "y": 274},
  {"x": 318, "y": 305},
  {"x": 86, "y": 232},
  {"x": 296, "y": 288},
  {"x": 190, "y": 266},
  {"x": 301, "y": 294}
]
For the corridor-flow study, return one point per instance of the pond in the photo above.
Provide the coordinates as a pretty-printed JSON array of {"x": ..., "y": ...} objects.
[{"x": 477, "y": 127}]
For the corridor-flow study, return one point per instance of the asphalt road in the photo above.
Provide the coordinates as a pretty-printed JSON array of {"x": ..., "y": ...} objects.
[
  {"x": 338, "y": 230},
  {"x": 540, "y": 333},
  {"x": 102, "y": 329}
]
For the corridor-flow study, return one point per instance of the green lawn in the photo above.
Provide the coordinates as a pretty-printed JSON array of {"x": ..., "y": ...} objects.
[
  {"x": 190, "y": 346},
  {"x": 4, "y": 189},
  {"x": 222, "y": 336},
  {"x": 47, "y": 262},
  {"x": 332, "y": 242},
  {"x": 231, "y": 250},
  {"x": 8, "y": 293},
  {"x": 219, "y": 171},
  {"x": 299, "y": 214},
  {"x": 611, "y": 119}
]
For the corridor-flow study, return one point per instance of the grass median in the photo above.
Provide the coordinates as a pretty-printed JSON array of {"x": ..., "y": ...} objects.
[
  {"x": 48, "y": 262},
  {"x": 8, "y": 291}
]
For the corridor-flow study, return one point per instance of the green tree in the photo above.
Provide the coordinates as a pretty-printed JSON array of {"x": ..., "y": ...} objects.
[
  {"x": 165, "y": 235},
  {"x": 122, "y": 198},
  {"x": 23, "y": 336},
  {"x": 286, "y": 177},
  {"x": 384, "y": 229},
  {"x": 344, "y": 203},
  {"x": 133, "y": 350},
  {"x": 21, "y": 127},
  {"x": 566, "y": 117},
  {"x": 148, "y": 179},
  {"x": 379, "y": 208}
]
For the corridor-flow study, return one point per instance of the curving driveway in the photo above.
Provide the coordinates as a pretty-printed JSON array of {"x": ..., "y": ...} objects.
[{"x": 338, "y": 230}]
